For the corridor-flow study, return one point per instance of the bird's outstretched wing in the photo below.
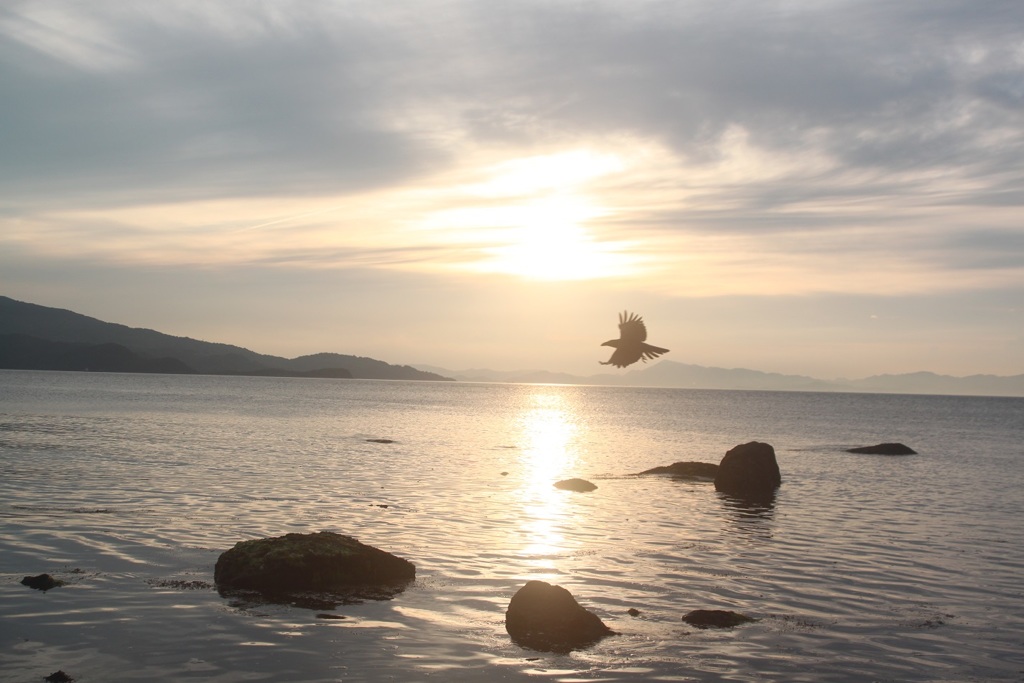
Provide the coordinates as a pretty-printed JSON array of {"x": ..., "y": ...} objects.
[{"x": 631, "y": 328}]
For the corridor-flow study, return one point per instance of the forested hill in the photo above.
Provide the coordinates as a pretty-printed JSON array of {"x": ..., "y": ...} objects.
[{"x": 36, "y": 337}]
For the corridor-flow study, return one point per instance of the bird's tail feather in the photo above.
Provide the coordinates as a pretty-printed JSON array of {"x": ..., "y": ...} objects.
[{"x": 647, "y": 351}]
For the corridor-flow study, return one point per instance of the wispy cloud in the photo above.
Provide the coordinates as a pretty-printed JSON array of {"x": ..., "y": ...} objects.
[{"x": 675, "y": 150}]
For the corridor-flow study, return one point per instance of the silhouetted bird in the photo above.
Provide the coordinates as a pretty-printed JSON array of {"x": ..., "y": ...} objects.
[{"x": 630, "y": 346}]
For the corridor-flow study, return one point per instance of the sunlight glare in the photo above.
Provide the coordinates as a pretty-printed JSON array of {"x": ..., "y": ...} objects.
[
  {"x": 540, "y": 230},
  {"x": 549, "y": 243},
  {"x": 548, "y": 433}
]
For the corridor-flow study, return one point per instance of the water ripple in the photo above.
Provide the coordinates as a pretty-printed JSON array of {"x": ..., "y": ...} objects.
[{"x": 862, "y": 568}]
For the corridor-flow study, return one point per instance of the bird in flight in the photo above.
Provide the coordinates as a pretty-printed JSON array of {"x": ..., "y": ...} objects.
[{"x": 630, "y": 346}]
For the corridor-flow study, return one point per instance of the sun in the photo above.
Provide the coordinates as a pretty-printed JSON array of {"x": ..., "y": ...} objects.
[
  {"x": 547, "y": 240},
  {"x": 541, "y": 215}
]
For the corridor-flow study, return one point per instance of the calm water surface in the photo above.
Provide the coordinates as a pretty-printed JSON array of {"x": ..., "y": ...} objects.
[{"x": 865, "y": 568}]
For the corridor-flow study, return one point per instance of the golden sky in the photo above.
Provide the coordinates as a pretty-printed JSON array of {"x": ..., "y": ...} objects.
[{"x": 831, "y": 189}]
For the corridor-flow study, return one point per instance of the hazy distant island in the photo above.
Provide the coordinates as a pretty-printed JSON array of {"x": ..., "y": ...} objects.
[
  {"x": 672, "y": 374},
  {"x": 36, "y": 337}
]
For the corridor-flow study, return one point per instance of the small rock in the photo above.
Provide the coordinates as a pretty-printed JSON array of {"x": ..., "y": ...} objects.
[
  {"x": 325, "y": 615},
  {"x": 42, "y": 582},
  {"x": 580, "y": 485},
  {"x": 884, "y": 449},
  {"x": 544, "y": 617},
  {"x": 58, "y": 677},
  {"x": 633, "y": 612},
  {"x": 715, "y": 618},
  {"x": 381, "y": 440}
]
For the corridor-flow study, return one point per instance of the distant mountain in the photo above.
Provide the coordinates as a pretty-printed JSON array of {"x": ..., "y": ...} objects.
[
  {"x": 672, "y": 374},
  {"x": 682, "y": 375},
  {"x": 510, "y": 376},
  {"x": 42, "y": 338},
  {"x": 22, "y": 352},
  {"x": 366, "y": 368},
  {"x": 930, "y": 383}
]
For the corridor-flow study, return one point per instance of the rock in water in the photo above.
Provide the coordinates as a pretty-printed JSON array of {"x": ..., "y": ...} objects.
[
  {"x": 884, "y": 449},
  {"x": 581, "y": 485},
  {"x": 715, "y": 618},
  {"x": 323, "y": 561},
  {"x": 42, "y": 582},
  {"x": 544, "y": 617},
  {"x": 686, "y": 470},
  {"x": 749, "y": 470}
]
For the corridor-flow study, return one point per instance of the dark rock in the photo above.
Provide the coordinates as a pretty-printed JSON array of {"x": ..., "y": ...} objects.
[
  {"x": 381, "y": 440},
  {"x": 323, "y": 561},
  {"x": 179, "y": 584},
  {"x": 544, "y": 617},
  {"x": 42, "y": 582},
  {"x": 749, "y": 470},
  {"x": 884, "y": 449},
  {"x": 324, "y": 615},
  {"x": 715, "y": 618},
  {"x": 58, "y": 677},
  {"x": 581, "y": 485},
  {"x": 633, "y": 612},
  {"x": 686, "y": 470}
]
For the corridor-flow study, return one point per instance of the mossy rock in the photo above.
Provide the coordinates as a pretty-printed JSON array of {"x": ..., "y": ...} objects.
[{"x": 323, "y": 561}]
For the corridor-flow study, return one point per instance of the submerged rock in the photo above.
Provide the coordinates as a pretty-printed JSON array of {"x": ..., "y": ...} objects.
[
  {"x": 179, "y": 584},
  {"x": 545, "y": 617},
  {"x": 884, "y": 449},
  {"x": 381, "y": 440},
  {"x": 323, "y": 561},
  {"x": 581, "y": 485},
  {"x": 58, "y": 677},
  {"x": 42, "y": 582},
  {"x": 686, "y": 470},
  {"x": 715, "y": 618},
  {"x": 749, "y": 470}
]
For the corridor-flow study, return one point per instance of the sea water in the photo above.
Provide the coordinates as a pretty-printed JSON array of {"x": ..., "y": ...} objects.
[{"x": 863, "y": 568}]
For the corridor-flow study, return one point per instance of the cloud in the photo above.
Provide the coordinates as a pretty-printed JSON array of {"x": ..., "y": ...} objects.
[
  {"x": 189, "y": 102},
  {"x": 239, "y": 99},
  {"x": 771, "y": 149}
]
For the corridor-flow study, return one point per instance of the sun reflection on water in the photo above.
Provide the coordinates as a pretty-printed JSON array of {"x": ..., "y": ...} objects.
[
  {"x": 547, "y": 427},
  {"x": 549, "y": 433}
]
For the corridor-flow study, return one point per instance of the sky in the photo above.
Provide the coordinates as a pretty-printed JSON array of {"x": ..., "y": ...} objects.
[{"x": 830, "y": 188}]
